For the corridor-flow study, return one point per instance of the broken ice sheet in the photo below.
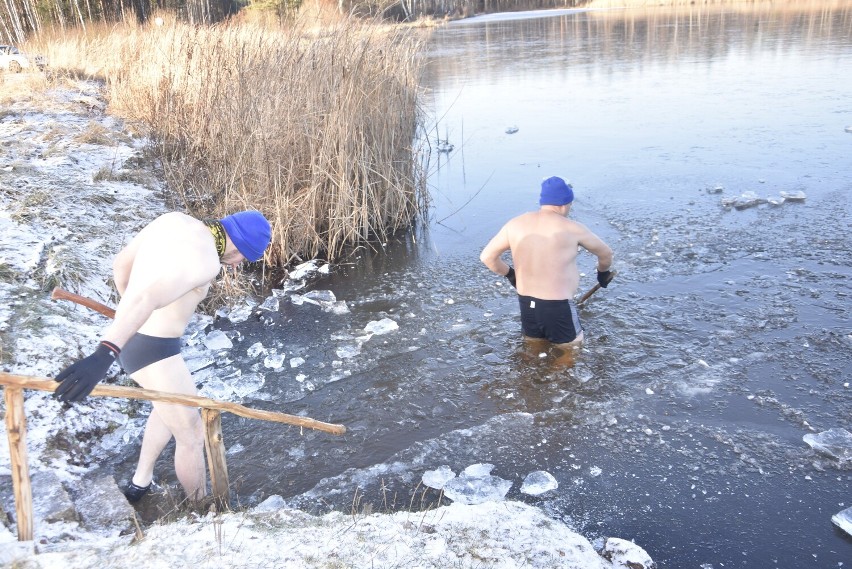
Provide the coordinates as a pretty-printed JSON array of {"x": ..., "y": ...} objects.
[
  {"x": 247, "y": 384},
  {"x": 836, "y": 443},
  {"x": 843, "y": 520},
  {"x": 798, "y": 196},
  {"x": 271, "y": 304},
  {"x": 274, "y": 361},
  {"x": 241, "y": 312},
  {"x": 539, "y": 482},
  {"x": 215, "y": 388},
  {"x": 320, "y": 296},
  {"x": 475, "y": 486},
  {"x": 217, "y": 340},
  {"x": 382, "y": 326},
  {"x": 438, "y": 478},
  {"x": 349, "y": 351},
  {"x": 303, "y": 270}
]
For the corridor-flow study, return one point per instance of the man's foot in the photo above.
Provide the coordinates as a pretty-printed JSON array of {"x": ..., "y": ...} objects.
[{"x": 134, "y": 493}]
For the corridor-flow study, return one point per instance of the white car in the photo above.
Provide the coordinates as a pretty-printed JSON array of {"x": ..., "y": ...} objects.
[{"x": 13, "y": 60}]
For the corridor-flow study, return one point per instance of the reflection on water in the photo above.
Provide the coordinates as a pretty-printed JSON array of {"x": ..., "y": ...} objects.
[{"x": 724, "y": 340}]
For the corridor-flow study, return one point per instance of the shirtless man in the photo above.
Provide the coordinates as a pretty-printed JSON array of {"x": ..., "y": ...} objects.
[
  {"x": 544, "y": 246},
  {"x": 162, "y": 275}
]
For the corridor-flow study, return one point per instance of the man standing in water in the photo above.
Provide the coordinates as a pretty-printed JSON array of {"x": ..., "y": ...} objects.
[
  {"x": 162, "y": 275},
  {"x": 544, "y": 246}
]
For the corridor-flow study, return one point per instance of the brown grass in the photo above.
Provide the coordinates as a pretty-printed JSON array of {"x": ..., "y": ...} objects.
[{"x": 313, "y": 126}]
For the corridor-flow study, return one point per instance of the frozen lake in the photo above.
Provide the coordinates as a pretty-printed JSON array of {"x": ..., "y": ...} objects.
[{"x": 724, "y": 340}]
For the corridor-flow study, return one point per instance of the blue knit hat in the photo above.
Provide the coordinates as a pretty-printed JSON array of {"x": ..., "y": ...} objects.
[
  {"x": 249, "y": 231},
  {"x": 554, "y": 191}
]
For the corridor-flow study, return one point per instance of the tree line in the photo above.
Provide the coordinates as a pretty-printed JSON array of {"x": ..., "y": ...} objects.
[{"x": 22, "y": 18}]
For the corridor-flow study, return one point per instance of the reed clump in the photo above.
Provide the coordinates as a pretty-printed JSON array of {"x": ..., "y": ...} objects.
[{"x": 313, "y": 129}]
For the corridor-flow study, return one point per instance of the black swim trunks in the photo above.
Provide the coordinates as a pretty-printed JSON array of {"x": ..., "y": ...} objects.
[
  {"x": 554, "y": 320},
  {"x": 142, "y": 350}
]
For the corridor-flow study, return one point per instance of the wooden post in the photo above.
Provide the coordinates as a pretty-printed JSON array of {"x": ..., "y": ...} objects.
[
  {"x": 16, "y": 428},
  {"x": 215, "y": 446}
]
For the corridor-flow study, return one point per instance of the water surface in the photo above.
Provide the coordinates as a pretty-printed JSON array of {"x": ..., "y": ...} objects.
[{"x": 724, "y": 339}]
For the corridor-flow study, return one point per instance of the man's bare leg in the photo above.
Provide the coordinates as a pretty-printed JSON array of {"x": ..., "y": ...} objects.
[
  {"x": 155, "y": 439},
  {"x": 567, "y": 352},
  {"x": 184, "y": 423}
]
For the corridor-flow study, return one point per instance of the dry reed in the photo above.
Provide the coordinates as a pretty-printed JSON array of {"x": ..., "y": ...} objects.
[
  {"x": 313, "y": 128},
  {"x": 314, "y": 131}
]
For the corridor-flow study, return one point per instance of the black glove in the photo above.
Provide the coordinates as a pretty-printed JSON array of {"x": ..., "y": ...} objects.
[
  {"x": 80, "y": 378},
  {"x": 511, "y": 276},
  {"x": 604, "y": 277}
]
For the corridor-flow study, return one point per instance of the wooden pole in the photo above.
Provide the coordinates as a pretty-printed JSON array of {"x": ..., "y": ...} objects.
[
  {"x": 594, "y": 289},
  {"x": 215, "y": 446},
  {"x": 61, "y": 294},
  {"x": 16, "y": 429},
  {"x": 42, "y": 384}
]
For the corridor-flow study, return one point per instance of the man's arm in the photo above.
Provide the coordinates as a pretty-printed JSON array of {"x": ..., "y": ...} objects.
[
  {"x": 595, "y": 245},
  {"x": 491, "y": 255}
]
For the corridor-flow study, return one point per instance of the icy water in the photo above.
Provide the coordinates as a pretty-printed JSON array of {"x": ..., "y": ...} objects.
[{"x": 725, "y": 338}]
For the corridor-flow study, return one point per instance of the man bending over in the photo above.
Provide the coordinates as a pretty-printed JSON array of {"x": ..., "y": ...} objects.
[{"x": 162, "y": 275}]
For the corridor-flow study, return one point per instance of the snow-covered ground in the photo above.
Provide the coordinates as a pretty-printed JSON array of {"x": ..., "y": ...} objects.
[{"x": 74, "y": 186}]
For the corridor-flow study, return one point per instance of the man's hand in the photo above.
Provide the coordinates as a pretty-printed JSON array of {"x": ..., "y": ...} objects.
[
  {"x": 511, "y": 276},
  {"x": 604, "y": 277},
  {"x": 80, "y": 378}
]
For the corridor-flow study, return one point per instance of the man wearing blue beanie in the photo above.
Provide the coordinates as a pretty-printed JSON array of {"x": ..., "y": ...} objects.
[
  {"x": 544, "y": 246},
  {"x": 162, "y": 275}
]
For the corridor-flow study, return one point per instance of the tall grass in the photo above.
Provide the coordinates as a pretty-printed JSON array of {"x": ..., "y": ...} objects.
[{"x": 313, "y": 128}]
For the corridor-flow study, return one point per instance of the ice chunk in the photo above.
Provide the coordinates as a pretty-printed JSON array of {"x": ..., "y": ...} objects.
[
  {"x": 338, "y": 307},
  {"x": 475, "y": 486},
  {"x": 438, "y": 478},
  {"x": 539, "y": 482},
  {"x": 296, "y": 362},
  {"x": 794, "y": 196},
  {"x": 271, "y": 504},
  {"x": 747, "y": 200},
  {"x": 836, "y": 443},
  {"x": 303, "y": 270},
  {"x": 511, "y": 130},
  {"x": 478, "y": 470},
  {"x": 274, "y": 361},
  {"x": 382, "y": 326},
  {"x": 843, "y": 520},
  {"x": 248, "y": 384},
  {"x": 717, "y": 189},
  {"x": 349, "y": 351},
  {"x": 217, "y": 340},
  {"x": 215, "y": 388},
  {"x": 240, "y": 313},
  {"x": 271, "y": 304},
  {"x": 320, "y": 296},
  {"x": 255, "y": 350}
]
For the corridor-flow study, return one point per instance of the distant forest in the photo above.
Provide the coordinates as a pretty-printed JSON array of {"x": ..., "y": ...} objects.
[{"x": 19, "y": 19}]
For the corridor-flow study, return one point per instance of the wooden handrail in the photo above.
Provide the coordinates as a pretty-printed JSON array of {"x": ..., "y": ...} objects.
[{"x": 43, "y": 384}]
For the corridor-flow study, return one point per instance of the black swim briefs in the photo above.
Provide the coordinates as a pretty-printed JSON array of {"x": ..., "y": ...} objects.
[
  {"x": 553, "y": 320},
  {"x": 142, "y": 350}
]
